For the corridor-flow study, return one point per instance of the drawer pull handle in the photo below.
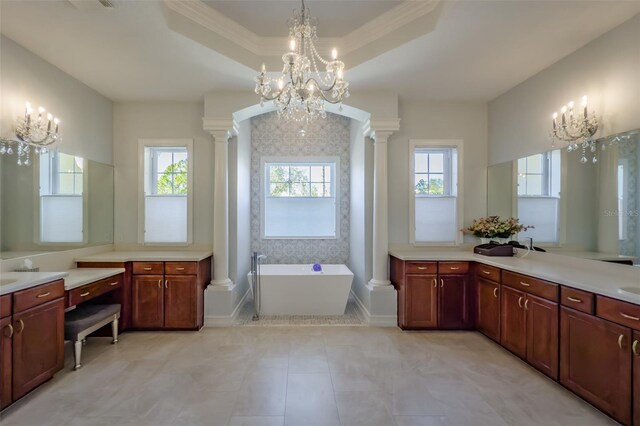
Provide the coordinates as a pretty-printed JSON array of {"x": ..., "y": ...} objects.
[
  {"x": 21, "y": 326},
  {"x": 520, "y": 301},
  {"x": 40, "y": 296},
  {"x": 421, "y": 268},
  {"x": 180, "y": 269},
  {"x": 629, "y": 317},
  {"x": 486, "y": 272},
  {"x": 454, "y": 268},
  {"x": 159, "y": 283},
  {"x": 85, "y": 294},
  {"x": 114, "y": 283},
  {"x": 525, "y": 284},
  {"x": 634, "y": 348},
  {"x": 526, "y": 304},
  {"x": 10, "y": 328},
  {"x": 495, "y": 292},
  {"x": 441, "y": 282},
  {"x": 435, "y": 283},
  {"x": 147, "y": 268},
  {"x": 620, "y": 341},
  {"x": 573, "y": 299},
  {"x": 166, "y": 283}
]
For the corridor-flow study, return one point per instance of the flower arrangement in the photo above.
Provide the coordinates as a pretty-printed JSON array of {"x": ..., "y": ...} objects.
[{"x": 494, "y": 227}]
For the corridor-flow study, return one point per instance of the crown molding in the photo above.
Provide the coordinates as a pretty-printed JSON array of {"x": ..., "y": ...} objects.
[{"x": 381, "y": 26}]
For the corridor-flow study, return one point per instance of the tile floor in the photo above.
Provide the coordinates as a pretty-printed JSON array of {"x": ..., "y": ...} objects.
[{"x": 300, "y": 376}]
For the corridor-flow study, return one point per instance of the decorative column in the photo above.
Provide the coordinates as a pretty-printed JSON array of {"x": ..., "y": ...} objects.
[
  {"x": 380, "y": 132},
  {"x": 221, "y": 131}
]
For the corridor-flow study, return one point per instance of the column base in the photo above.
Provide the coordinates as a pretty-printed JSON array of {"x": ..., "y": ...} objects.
[
  {"x": 379, "y": 283},
  {"x": 223, "y": 284}
]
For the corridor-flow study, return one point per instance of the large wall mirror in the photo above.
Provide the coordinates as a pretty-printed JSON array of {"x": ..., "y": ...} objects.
[
  {"x": 60, "y": 202},
  {"x": 575, "y": 206}
]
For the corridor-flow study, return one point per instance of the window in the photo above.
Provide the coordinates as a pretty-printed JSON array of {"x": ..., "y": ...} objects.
[
  {"x": 435, "y": 201},
  {"x": 299, "y": 198},
  {"x": 61, "y": 202},
  {"x": 539, "y": 196},
  {"x": 167, "y": 192}
]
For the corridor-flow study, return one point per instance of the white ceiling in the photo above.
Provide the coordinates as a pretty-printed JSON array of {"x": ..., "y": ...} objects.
[
  {"x": 478, "y": 50},
  {"x": 335, "y": 17}
]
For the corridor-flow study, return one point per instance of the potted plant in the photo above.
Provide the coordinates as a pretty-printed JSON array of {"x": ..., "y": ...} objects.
[{"x": 493, "y": 228}]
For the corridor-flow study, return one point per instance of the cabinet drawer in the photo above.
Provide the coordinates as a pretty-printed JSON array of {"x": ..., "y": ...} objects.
[
  {"x": 95, "y": 289},
  {"x": 453, "y": 267},
  {"x": 25, "y": 299},
  {"x": 421, "y": 268},
  {"x": 181, "y": 268},
  {"x": 618, "y": 311},
  {"x": 531, "y": 285},
  {"x": 5, "y": 305},
  {"x": 148, "y": 268},
  {"x": 488, "y": 272},
  {"x": 577, "y": 299}
]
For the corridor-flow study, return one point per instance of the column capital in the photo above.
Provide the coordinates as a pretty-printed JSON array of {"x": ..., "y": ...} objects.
[
  {"x": 222, "y": 129},
  {"x": 381, "y": 130}
]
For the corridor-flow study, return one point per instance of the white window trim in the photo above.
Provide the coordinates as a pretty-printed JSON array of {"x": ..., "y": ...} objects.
[
  {"x": 458, "y": 144},
  {"x": 85, "y": 211},
  {"x": 263, "y": 192},
  {"x": 142, "y": 144}
]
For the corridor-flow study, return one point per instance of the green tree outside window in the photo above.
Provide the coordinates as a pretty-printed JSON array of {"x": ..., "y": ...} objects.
[{"x": 173, "y": 180}]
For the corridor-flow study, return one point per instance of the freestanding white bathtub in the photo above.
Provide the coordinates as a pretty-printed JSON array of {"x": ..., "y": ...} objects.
[{"x": 298, "y": 290}]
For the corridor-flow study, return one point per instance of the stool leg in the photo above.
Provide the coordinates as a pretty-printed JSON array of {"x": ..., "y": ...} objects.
[
  {"x": 77, "y": 346},
  {"x": 114, "y": 330}
]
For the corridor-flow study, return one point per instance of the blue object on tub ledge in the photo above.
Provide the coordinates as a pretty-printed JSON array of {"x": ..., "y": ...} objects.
[{"x": 317, "y": 267}]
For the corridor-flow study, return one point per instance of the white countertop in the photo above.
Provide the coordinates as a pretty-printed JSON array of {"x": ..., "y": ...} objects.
[
  {"x": 79, "y": 277},
  {"x": 597, "y": 277},
  {"x": 147, "y": 256},
  {"x": 16, "y": 281}
]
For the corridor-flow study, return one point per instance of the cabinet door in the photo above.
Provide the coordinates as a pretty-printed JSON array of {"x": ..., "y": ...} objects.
[
  {"x": 513, "y": 323},
  {"x": 180, "y": 301},
  {"x": 636, "y": 378},
  {"x": 542, "y": 335},
  {"x": 488, "y": 309},
  {"x": 595, "y": 362},
  {"x": 38, "y": 346},
  {"x": 453, "y": 302},
  {"x": 422, "y": 301},
  {"x": 6, "y": 334},
  {"x": 147, "y": 301}
]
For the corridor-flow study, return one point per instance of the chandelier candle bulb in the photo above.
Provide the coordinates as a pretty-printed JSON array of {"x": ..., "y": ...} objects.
[
  {"x": 292, "y": 45},
  {"x": 334, "y": 54}
]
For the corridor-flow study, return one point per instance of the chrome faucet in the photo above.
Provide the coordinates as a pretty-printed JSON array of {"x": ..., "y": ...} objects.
[{"x": 530, "y": 242}]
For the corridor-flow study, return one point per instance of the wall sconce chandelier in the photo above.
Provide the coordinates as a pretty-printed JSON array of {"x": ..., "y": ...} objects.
[
  {"x": 576, "y": 129},
  {"x": 36, "y": 134},
  {"x": 302, "y": 90}
]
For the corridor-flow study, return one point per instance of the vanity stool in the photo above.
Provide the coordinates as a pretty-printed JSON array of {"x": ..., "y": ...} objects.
[{"x": 86, "y": 319}]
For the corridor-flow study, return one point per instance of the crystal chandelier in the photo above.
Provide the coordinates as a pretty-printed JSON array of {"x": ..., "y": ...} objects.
[
  {"x": 302, "y": 90},
  {"x": 36, "y": 134},
  {"x": 577, "y": 130}
]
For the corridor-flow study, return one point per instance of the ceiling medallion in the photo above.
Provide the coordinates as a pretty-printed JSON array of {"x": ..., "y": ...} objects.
[{"x": 302, "y": 90}]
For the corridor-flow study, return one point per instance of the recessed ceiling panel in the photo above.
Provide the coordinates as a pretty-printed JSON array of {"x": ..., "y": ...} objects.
[{"x": 269, "y": 18}]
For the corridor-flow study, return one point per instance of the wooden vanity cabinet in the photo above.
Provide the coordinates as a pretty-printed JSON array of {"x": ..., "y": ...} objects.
[
  {"x": 488, "y": 308},
  {"x": 421, "y": 302},
  {"x": 147, "y": 310},
  {"x": 180, "y": 301},
  {"x": 595, "y": 362},
  {"x": 454, "y": 307},
  {"x": 636, "y": 377},
  {"x": 542, "y": 335},
  {"x": 513, "y": 332},
  {"x": 6, "y": 339}
]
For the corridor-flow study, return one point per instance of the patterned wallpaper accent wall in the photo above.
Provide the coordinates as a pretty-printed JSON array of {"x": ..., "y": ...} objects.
[{"x": 275, "y": 137}]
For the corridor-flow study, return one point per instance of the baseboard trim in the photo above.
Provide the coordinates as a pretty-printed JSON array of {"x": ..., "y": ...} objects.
[
  {"x": 374, "y": 320},
  {"x": 226, "y": 320}
]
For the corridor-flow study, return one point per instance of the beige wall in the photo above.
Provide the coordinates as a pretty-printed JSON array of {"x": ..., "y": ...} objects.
[
  {"x": 425, "y": 120},
  {"x": 607, "y": 70},
  {"x": 158, "y": 120}
]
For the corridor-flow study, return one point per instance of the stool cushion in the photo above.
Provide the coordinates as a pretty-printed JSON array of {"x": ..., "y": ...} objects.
[{"x": 85, "y": 316}]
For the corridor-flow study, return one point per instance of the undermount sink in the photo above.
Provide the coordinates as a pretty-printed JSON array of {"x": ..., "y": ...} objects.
[
  {"x": 632, "y": 290},
  {"x": 7, "y": 281}
]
